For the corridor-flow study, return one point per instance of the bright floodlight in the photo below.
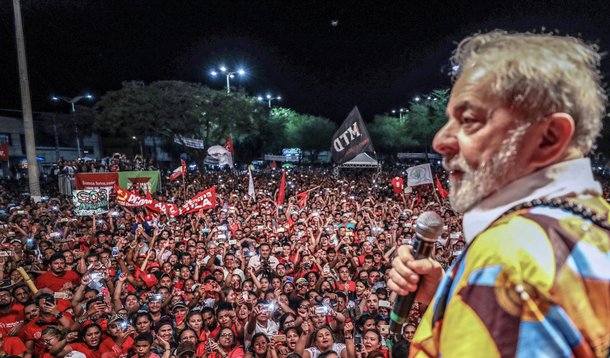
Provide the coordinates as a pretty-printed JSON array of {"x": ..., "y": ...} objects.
[
  {"x": 393, "y": 111},
  {"x": 88, "y": 96},
  {"x": 417, "y": 99},
  {"x": 223, "y": 69},
  {"x": 279, "y": 97},
  {"x": 133, "y": 137},
  {"x": 268, "y": 96},
  {"x": 213, "y": 73},
  {"x": 260, "y": 98},
  {"x": 55, "y": 98},
  {"x": 429, "y": 98},
  {"x": 241, "y": 71}
]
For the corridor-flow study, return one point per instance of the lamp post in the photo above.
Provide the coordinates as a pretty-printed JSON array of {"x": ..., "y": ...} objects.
[
  {"x": 222, "y": 70},
  {"x": 269, "y": 98},
  {"x": 73, "y": 101},
  {"x": 140, "y": 143},
  {"x": 400, "y": 112}
]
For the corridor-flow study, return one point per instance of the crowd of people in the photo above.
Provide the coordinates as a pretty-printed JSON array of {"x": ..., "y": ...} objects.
[
  {"x": 249, "y": 278},
  {"x": 116, "y": 162}
]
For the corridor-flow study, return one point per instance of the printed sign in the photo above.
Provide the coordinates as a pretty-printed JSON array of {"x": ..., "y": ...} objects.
[
  {"x": 90, "y": 201},
  {"x": 96, "y": 180}
]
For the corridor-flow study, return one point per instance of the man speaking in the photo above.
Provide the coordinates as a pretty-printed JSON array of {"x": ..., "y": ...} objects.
[{"x": 534, "y": 279}]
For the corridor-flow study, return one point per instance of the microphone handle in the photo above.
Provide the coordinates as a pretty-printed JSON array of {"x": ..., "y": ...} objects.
[{"x": 402, "y": 307}]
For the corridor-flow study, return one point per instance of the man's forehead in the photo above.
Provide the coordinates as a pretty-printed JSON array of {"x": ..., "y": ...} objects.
[{"x": 469, "y": 92}]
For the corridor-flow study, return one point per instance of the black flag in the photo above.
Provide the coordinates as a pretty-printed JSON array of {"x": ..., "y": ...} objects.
[{"x": 351, "y": 139}]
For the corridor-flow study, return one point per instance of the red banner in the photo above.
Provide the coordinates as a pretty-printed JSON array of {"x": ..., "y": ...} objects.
[
  {"x": 96, "y": 180},
  {"x": 4, "y": 152},
  {"x": 202, "y": 201},
  {"x": 129, "y": 199}
]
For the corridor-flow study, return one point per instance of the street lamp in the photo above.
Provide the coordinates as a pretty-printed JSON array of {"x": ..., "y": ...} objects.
[
  {"x": 222, "y": 70},
  {"x": 140, "y": 143},
  {"x": 400, "y": 112},
  {"x": 73, "y": 101},
  {"x": 269, "y": 98}
]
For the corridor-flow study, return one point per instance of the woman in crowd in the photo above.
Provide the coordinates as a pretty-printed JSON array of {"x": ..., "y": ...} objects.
[{"x": 226, "y": 345}]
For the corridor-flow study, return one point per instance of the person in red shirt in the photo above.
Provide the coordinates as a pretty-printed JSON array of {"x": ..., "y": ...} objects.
[
  {"x": 12, "y": 346},
  {"x": 119, "y": 341},
  {"x": 345, "y": 284},
  {"x": 50, "y": 315},
  {"x": 57, "y": 278},
  {"x": 11, "y": 318},
  {"x": 91, "y": 336}
]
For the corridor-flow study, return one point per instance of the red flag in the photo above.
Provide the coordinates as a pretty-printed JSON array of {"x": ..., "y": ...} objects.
[
  {"x": 180, "y": 171},
  {"x": 280, "y": 196},
  {"x": 229, "y": 145},
  {"x": 4, "y": 152},
  {"x": 443, "y": 193},
  {"x": 302, "y": 199}
]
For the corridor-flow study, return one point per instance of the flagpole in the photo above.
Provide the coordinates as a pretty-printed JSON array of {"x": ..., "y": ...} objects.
[{"x": 434, "y": 188}]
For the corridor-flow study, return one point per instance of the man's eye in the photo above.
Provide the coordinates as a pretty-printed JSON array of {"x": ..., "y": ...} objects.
[{"x": 468, "y": 120}]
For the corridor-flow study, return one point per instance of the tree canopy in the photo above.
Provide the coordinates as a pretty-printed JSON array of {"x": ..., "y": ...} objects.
[
  {"x": 416, "y": 127},
  {"x": 167, "y": 109}
]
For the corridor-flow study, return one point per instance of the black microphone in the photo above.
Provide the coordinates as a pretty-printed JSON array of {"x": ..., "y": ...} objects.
[{"x": 428, "y": 228}]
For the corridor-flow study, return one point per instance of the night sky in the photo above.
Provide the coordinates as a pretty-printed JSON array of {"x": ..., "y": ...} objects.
[{"x": 379, "y": 56}]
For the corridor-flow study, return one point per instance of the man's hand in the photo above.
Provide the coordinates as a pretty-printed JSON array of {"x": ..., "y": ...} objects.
[{"x": 406, "y": 272}]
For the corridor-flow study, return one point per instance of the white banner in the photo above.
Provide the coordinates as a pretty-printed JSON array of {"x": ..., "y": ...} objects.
[
  {"x": 419, "y": 174},
  {"x": 189, "y": 142}
]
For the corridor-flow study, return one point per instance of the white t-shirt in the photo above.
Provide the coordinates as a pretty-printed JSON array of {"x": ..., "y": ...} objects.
[{"x": 271, "y": 330}]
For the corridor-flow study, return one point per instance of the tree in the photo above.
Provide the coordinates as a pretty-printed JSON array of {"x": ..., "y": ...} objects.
[
  {"x": 416, "y": 128},
  {"x": 391, "y": 134},
  {"x": 301, "y": 130},
  {"x": 170, "y": 108}
]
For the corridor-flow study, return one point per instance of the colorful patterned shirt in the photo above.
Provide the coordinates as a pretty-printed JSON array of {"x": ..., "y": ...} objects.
[{"x": 536, "y": 283}]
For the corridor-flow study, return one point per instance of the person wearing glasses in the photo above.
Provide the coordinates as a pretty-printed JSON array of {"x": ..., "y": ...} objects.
[{"x": 225, "y": 345}]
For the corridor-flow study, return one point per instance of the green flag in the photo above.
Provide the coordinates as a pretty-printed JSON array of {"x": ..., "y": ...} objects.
[{"x": 140, "y": 180}]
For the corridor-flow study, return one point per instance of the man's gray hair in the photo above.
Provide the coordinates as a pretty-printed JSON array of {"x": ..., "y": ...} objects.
[{"x": 540, "y": 74}]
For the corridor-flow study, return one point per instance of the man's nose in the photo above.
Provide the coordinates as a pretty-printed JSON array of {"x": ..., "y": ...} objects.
[{"x": 445, "y": 141}]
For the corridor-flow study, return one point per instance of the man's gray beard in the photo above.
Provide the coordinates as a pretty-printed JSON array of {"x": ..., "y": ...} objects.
[{"x": 477, "y": 184}]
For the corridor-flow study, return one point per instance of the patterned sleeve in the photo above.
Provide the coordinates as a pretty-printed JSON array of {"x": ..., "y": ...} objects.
[{"x": 517, "y": 292}]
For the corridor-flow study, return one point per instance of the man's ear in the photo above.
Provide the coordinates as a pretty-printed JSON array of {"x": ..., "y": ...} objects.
[{"x": 555, "y": 133}]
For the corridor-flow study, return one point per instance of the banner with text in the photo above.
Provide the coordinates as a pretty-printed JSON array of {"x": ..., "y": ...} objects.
[
  {"x": 145, "y": 180},
  {"x": 351, "y": 139},
  {"x": 189, "y": 142},
  {"x": 90, "y": 201},
  {"x": 129, "y": 199},
  {"x": 202, "y": 201},
  {"x": 96, "y": 180}
]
